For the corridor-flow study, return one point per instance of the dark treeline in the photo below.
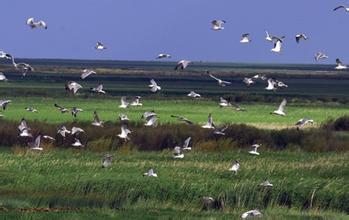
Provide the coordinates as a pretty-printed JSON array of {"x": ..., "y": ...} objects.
[{"x": 166, "y": 136}]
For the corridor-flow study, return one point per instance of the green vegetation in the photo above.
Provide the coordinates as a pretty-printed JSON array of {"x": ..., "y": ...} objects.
[{"x": 74, "y": 179}]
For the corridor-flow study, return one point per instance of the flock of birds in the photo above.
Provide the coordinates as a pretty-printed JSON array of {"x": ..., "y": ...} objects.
[{"x": 150, "y": 117}]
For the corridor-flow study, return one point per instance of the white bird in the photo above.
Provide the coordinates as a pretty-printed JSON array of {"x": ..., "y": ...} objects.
[
  {"x": 251, "y": 213},
  {"x": 24, "y": 129},
  {"x": 182, "y": 119},
  {"x": 340, "y": 65},
  {"x": 248, "y": 81},
  {"x": 62, "y": 130},
  {"x": 186, "y": 144},
  {"x": 178, "y": 153},
  {"x": 182, "y": 64},
  {"x": 61, "y": 108},
  {"x": 163, "y": 55},
  {"x": 147, "y": 115},
  {"x": 217, "y": 25},
  {"x": 271, "y": 85},
  {"x": 5, "y": 55},
  {"x": 100, "y": 46},
  {"x": 219, "y": 81},
  {"x": 98, "y": 89},
  {"x": 73, "y": 86},
  {"x": 209, "y": 124},
  {"x": 340, "y": 7},
  {"x": 124, "y": 102},
  {"x": 223, "y": 102},
  {"x": 96, "y": 121},
  {"x": 77, "y": 143},
  {"x": 39, "y": 24},
  {"x": 268, "y": 37},
  {"x": 4, "y": 103},
  {"x": 136, "y": 101},
  {"x": 150, "y": 173},
  {"x": 300, "y": 37},
  {"x": 2, "y": 77},
  {"x": 31, "y": 109},
  {"x": 107, "y": 160},
  {"x": 235, "y": 167},
  {"x": 266, "y": 184},
  {"x": 254, "y": 150},
  {"x": 277, "y": 45},
  {"x": 86, "y": 72},
  {"x": 245, "y": 38},
  {"x": 24, "y": 68},
  {"x": 48, "y": 137},
  {"x": 123, "y": 118},
  {"x": 193, "y": 94},
  {"x": 281, "y": 109},
  {"x": 124, "y": 133},
  {"x": 151, "y": 121},
  {"x": 35, "y": 145},
  {"x": 220, "y": 131},
  {"x": 76, "y": 130},
  {"x": 75, "y": 111},
  {"x": 154, "y": 86},
  {"x": 302, "y": 122},
  {"x": 319, "y": 56}
]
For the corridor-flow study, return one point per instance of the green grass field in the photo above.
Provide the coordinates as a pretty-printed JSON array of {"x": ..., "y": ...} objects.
[
  {"x": 196, "y": 110},
  {"x": 74, "y": 179}
]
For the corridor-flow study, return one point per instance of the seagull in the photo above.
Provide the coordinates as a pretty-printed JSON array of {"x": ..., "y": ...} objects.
[
  {"x": 281, "y": 109},
  {"x": 271, "y": 85},
  {"x": 154, "y": 86},
  {"x": 258, "y": 76},
  {"x": 209, "y": 124},
  {"x": 24, "y": 129},
  {"x": 96, "y": 122},
  {"x": 86, "y": 72},
  {"x": 266, "y": 184},
  {"x": 39, "y": 24},
  {"x": 280, "y": 84},
  {"x": 268, "y": 37},
  {"x": 151, "y": 121},
  {"x": 223, "y": 102},
  {"x": 254, "y": 149},
  {"x": 235, "y": 167},
  {"x": 62, "y": 130},
  {"x": 178, "y": 153},
  {"x": 36, "y": 144},
  {"x": 340, "y": 65},
  {"x": 217, "y": 25},
  {"x": 319, "y": 56},
  {"x": 75, "y": 111},
  {"x": 73, "y": 86},
  {"x": 186, "y": 143},
  {"x": 31, "y": 109},
  {"x": 124, "y": 132},
  {"x": 107, "y": 160},
  {"x": 219, "y": 81},
  {"x": 48, "y": 137},
  {"x": 124, "y": 103},
  {"x": 341, "y": 6},
  {"x": 220, "y": 131},
  {"x": 163, "y": 55},
  {"x": 76, "y": 131},
  {"x": 300, "y": 37},
  {"x": 277, "y": 45},
  {"x": 147, "y": 115},
  {"x": 5, "y": 55},
  {"x": 100, "y": 46},
  {"x": 245, "y": 38},
  {"x": 302, "y": 122},
  {"x": 251, "y": 213},
  {"x": 193, "y": 94},
  {"x": 136, "y": 101},
  {"x": 23, "y": 67},
  {"x": 77, "y": 143},
  {"x": 98, "y": 89},
  {"x": 61, "y": 108},
  {"x": 182, "y": 119},
  {"x": 2, "y": 77},
  {"x": 248, "y": 81},
  {"x": 150, "y": 173},
  {"x": 123, "y": 118},
  {"x": 182, "y": 64},
  {"x": 4, "y": 103}
]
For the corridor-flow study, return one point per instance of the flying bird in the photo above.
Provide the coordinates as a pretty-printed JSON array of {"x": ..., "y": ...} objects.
[
  {"x": 151, "y": 121},
  {"x": 124, "y": 133},
  {"x": 302, "y": 122},
  {"x": 281, "y": 110},
  {"x": 31, "y": 109},
  {"x": 163, "y": 55},
  {"x": 300, "y": 37},
  {"x": 75, "y": 111},
  {"x": 124, "y": 102},
  {"x": 154, "y": 86},
  {"x": 248, "y": 81},
  {"x": 24, "y": 129},
  {"x": 219, "y": 81},
  {"x": 340, "y": 65},
  {"x": 209, "y": 124},
  {"x": 86, "y": 72},
  {"x": 136, "y": 101},
  {"x": 268, "y": 37},
  {"x": 217, "y": 25},
  {"x": 72, "y": 86},
  {"x": 150, "y": 173},
  {"x": 24, "y": 68},
  {"x": 100, "y": 46},
  {"x": 36, "y": 24},
  {"x": 98, "y": 89},
  {"x": 254, "y": 150},
  {"x": 182, "y": 119},
  {"x": 178, "y": 153},
  {"x": 251, "y": 213},
  {"x": 319, "y": 56},
  {"x": 221, "y": 131},
  {"x": 182, "y": 64},
  {"x": 5, "y": 55},
  {"x": 277, "y": 45},
  {"x": 4, "y": 103},
  {"x": 235, "y": 167},
  {"x": 61, "y": 108},
  {"x": 62, "y": 130},
  {"x": 96, "y": 121},
  {"x": 193, "y": 94},
  {"x": 35, "y": 145},
  {"x": 340, "y": 7},
  {"x": 245, "y": 38},
  {"x": 76, "y": 131},
  {"x": 77, "y": 143}
]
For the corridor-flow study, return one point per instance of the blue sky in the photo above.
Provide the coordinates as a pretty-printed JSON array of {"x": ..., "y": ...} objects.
[{"x": 139, "y": 29}]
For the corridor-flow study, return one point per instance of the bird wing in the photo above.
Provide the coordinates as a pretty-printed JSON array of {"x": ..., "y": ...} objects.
[
  {"x": 95, "y": 116},
  {"x": 339, "y": 62},
  {"x": 282, "y": 105},
  {"x": 30, "y": 21},
  {"x": 186, "y": 142},
  {"x": 336, "y": 8},
  {"x": 153, "y": 83},
  {"x": 213, "y": 77}
]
